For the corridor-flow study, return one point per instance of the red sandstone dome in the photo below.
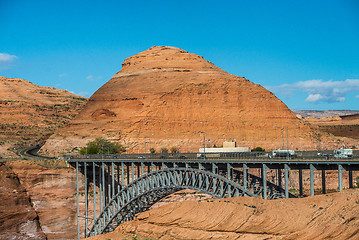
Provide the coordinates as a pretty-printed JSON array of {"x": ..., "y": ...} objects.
[{"x": 169, "y": 95}]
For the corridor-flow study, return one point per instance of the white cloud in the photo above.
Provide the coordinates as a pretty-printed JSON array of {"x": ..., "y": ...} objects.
[
  {"x": 319, "y": 90},
  {"x": 61, "y": 75},
  {"x": 6, "y": 59},
  {"x": 93, "y": 78},
  {"x": 83, "y": 94}
]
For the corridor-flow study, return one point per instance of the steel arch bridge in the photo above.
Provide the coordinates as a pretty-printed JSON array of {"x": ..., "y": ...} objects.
[
  {"x": 117, "y": 189},
  {"x": 143, "y": 192},
  {"x": 148, "y": 182}
]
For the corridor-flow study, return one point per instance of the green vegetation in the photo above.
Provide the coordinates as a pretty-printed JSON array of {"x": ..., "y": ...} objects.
[
  {"x": 258, "y": 149},
  {"x": 7, "y": 101},
  {"x": 164, "y": 150},
  {"x": 101, "y": 145},
  {"x": 174, "y": 150},
  {"x": 79, "y": 98},
  {"x": 152, "y": 150}
]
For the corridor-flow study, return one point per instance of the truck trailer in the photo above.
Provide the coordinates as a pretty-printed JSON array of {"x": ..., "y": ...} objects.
[{"x": 343, "y": 153}]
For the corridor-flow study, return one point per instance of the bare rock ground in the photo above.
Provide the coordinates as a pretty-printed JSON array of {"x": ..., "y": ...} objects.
[{"x": 331, "y": 216}]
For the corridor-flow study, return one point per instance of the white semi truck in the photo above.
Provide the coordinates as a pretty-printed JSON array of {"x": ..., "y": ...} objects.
[
  {"x": 343, "y": 153},
  {"x": 282, "y": 153}
]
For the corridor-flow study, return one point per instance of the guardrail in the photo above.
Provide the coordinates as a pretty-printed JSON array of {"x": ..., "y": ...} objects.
[{"x": 320, "y": 155}]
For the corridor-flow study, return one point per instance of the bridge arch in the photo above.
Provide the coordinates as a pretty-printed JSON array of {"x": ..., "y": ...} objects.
[{"x": 143, "y": 192}]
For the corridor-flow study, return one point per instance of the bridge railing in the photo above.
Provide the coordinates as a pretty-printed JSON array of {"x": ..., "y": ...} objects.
[{"x": 322, "y": 154}]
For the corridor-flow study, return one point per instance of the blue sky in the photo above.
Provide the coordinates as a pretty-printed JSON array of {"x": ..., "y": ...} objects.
[{"x": 306, "y": 52}]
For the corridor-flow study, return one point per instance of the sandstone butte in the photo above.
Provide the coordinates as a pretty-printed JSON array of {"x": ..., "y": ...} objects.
[
  {"x": 331, "y": 216},
  {"x": 165, "y": 96},
  {"x": 29, "y": 114}
]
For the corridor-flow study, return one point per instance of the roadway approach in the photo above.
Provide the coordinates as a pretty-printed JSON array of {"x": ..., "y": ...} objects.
[{"x": 117, "y": 188}]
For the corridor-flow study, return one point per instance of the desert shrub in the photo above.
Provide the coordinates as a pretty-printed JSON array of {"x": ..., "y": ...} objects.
[
  {"x": 152, "y": 150},
  {"x": 101, "y": 144},
  {"x": 164, "y": 150},
  {"x": 258, "y": 149},
  {"x": 174, "y": 150}
]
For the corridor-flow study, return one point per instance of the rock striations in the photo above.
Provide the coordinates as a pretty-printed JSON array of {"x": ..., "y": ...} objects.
[
  {"x": 169, "y": 96},
  {"x": 30, "y": 113}
]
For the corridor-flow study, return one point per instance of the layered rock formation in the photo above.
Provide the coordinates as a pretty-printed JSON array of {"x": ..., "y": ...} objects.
[
  {"x": 30, "y": 113},
  {"x": 18, "y": 219},
  {"x": 53, "y": 195},
  {"x": 166, "y": 97},
  {"x": 344, "y": 126}
]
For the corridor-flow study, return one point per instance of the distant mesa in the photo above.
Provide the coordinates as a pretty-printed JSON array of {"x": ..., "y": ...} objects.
[{"x": 167, "y": 97}]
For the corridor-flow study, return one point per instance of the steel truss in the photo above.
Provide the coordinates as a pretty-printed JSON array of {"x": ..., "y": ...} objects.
[
  {"x": 143, "y": 192},
  {"x": 149, "y": 181}
]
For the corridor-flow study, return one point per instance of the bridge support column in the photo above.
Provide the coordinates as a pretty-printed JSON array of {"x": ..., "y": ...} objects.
[
  {"x": 350, "y": 179},
  {"x": 119, "y": 184},
  {"x": 94, "y": 189},
  {"x": 340, "y": 177},
  {"x": 214, "y": 168},
  {"x": 104, "y": 197},
  {"x": 323, "y": 182},
  {"x": 279, "y": 178},
  {"x": 108, "y": 184},
  {"x": 77, "y": 200},
  {"x": 86, "y": 198},
  {"x": 245, "y": 176},
  {"x": 229, "y": 172},
  {"x": 132, "y": 172},
  {"x": 100, "y": 186},
  {"x": 142, "y": 168},
  {"x": 122, "y": 174},
  {"x": 286, "y": 180},
  {"x": 128, "y": 173},
  {"x": 300, "y": 173},
  {"x": 113, "y": 179},
  {"x": 152, "y": 166},
  {"x": 264, "y": 178},
  {"x": 312, "y": 168},
  {"x": 200, "y": 166}
]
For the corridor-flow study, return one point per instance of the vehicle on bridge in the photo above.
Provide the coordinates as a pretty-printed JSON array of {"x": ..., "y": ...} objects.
[
  {"x": 282, "y": 153},
  {"x": 343, "y": 153}
]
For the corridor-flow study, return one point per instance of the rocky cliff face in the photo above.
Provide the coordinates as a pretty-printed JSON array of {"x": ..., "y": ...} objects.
[
  {"x": 30, "y": 113},
  {"x": 18, "y": 219},
  {"x": 53, "y": 195},
  {"x": 169, "y": 95}
]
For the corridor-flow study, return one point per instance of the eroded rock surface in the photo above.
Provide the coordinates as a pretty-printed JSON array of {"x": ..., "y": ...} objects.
[
  {"x": 30, "y": 113},
  {"x": 18, "y": 219},
  {"x": 53, "y": 195},
  {"x": 168, "y": 95},
  {"x": 334, "y": 216}
]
